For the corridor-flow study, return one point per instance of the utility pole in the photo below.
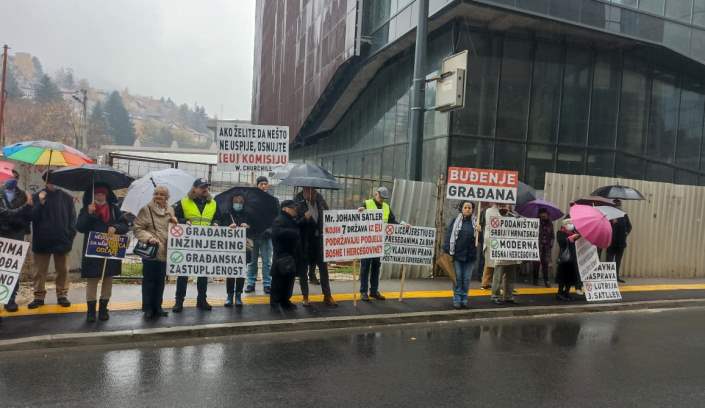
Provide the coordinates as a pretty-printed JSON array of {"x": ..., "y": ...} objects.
[
  {"x": 418, "y": 96},
  {"x": 3, "y": 95},
  {"x": 84, "y": 135}
]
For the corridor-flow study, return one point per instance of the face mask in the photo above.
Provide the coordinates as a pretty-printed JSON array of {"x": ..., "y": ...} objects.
[
  {"x": 11, "y": 184},
  {"x": 238, "y": 207},
  {"x": 570, "y": 227}
]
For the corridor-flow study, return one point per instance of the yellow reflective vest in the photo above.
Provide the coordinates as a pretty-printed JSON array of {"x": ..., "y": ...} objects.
[
  {"x": 196, "y": 217},
  {"x": 370, "y": 204}
]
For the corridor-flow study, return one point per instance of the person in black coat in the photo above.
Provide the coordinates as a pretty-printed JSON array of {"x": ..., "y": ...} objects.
[
  {"x": 567, "y": 271},
  {"x": 621, "y": 228},
  {"x": 287, "y": 260},
  {"x": 460, "y": 244},
  {"x": 234, "y": 217},
  {"x": 100, "y": 215}
]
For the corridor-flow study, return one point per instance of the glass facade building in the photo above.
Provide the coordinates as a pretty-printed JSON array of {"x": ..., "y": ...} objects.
[{"x": 607, "y": 88}]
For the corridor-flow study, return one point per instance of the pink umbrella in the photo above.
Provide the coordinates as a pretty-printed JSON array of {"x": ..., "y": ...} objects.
[{"x": 592, "y": 225}]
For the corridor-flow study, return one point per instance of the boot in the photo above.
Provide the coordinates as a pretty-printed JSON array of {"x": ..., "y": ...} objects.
[
  {"x": 178, "y": 306},
  {"x": 202, "y": 304},
  {"x": 103, "y": 310},
  {"x": 229, "y": 300},
  {"x": 238, "y": 299},
  {"x": 90, "y": 313}
]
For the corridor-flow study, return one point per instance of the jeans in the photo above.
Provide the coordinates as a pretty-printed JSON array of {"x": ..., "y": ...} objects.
[
  {"x": 154, "y": 276},
  {"x": 366, "y": 266},
  {"x": 463, "y": 272},
  {"x": 262, "y": 248}
]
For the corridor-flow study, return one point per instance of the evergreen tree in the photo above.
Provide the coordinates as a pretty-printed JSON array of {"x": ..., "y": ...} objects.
[
  {"x": 47, "y": 91},
  {"x": 12, "y": 88},
  {"x": 118, "y": 120},
  {"x": 38, "y": 70}
]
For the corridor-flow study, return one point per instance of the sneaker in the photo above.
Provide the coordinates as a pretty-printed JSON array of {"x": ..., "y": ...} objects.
[
  {"x": 377, "y": 296},
  {"x": 364, "y": 297},
  {"x": 63, "y": 302},
  {"x": 267, "y": 289},
  {"x": 11, "y": 307},
  {"x": 251, "y": 288},
  {"x": 36, "y": 303}
]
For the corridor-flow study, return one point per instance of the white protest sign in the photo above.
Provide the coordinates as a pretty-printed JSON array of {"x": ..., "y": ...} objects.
[
  {"x": 486, "y": 185},
  {"x": 206, "y": 251},
  {"x": 407, "y": 245},
  {"x": 245, "y": 147},
  {"x": 587, "y": 257},
  {"x": 351, "y": 234},
  {"x": 12, "y": 255},
  {"x": 513, "y": 239},
  {"x": 601, "y": 284}
]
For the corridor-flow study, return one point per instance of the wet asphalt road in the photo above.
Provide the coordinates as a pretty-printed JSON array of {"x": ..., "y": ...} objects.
[{"x": 635, "y": 359}]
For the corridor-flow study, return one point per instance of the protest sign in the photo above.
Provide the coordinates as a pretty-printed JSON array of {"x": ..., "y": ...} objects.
[
  {"x": 351, "y": 234},
  {"x": 206, "y": 251},
  {"x": 108, "y": 246},
  {"x": 245, "y": 147},
  {"x": 513, "y": 239},
  {"x": 12, "y": 255},
  {"x": 486, "y": 185},
  {"x": 587, "y": 256},
  {"x": 407, "y": 245},
  {"x": 601, "y": 284}
]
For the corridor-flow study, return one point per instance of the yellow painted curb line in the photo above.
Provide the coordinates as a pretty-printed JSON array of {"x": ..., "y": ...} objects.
[{"x": 261, "y": 300}]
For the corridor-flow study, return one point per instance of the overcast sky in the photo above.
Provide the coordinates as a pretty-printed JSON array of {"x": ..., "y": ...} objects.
[{"x": 189, "y": 50}]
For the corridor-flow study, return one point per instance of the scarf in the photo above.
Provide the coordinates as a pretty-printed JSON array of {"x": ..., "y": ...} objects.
[
  {"x": 102, "y": 211},
  {"x": 457, "y": 226}
]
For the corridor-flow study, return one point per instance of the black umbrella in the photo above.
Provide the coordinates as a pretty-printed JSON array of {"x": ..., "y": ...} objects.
[
  {"x": 83, "y": 177},
  {"x": 619, "y": 192},
  {"x": 595, "y": 201},
  {"x": 311, "y": 175},
  {"x": 525, "y": 194},
  {"x": 261, "y": 207}
]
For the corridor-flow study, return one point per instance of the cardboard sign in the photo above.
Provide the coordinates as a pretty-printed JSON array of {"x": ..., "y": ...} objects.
[
  {"x": 350, "y": 235},
  {"x": 601, "y": 284},
  {"x": 104, "y": 245},
  {"x": 513, "y": 239},
  {"x": 12, "y": 255},
  {"x": 245, "y": 147},
  {"x": 206, "y": 251},
  {"x": 407, "y": 245},
  {"x": 490, "y": 186},
  {"x": 587, "y": 256}
]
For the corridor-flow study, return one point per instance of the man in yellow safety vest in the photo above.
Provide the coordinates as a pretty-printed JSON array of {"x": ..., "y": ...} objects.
[
  {"x": 369, "y": 268},
  {"x": 197, "y": 208}
]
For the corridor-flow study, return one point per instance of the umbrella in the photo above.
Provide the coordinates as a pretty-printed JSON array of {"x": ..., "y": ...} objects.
[
  {"x": 592, "y": 225},
  {"x": 140, "y": 193},
  {"x": 531, "y": 209},
  {"x": 83, "y": 177},
  {"x": 6, "y": 170},
  {"x": 619, "y": 192},
  {"x": 311, "y": 175},
  {"x": 45, "y": 153},
  {"x": 595, "y": 201},
  {"x": 611, "y": 213},
  {"x": 525, "y": 194},
  {"x": 261, "y": 207}
]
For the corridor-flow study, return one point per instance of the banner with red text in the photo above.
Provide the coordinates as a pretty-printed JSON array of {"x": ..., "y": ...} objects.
[
  {"x": 486, "y": 185},
  {"x": 245, "y": 147}
]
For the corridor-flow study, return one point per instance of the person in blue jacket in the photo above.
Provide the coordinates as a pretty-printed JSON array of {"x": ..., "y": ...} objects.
[{"x": 460, "y": 244}]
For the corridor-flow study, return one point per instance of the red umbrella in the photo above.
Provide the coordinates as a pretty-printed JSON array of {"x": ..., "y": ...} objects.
[{"x": 592, "y": 225}]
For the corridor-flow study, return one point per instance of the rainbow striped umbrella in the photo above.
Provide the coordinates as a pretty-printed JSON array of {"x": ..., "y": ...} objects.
[{"x": 45, "y": 153}]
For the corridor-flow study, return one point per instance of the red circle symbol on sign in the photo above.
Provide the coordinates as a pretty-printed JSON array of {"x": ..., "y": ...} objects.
[
  {"x": 495, "y": 222},
  {"x": 390, "y": 229},
  {"x": 177, "y": 231}
]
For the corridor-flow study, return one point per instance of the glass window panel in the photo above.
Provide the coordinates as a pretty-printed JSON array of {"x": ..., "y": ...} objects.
[
  {"x": 514, "y": 89},
  {"x": 546, "y": 92},
  {"x": 659, "y": 172},
  {"x": 679, "y": 9},
  {"x": 538, "y": 6},
  {"x": 567, "y": 10},
  {"x": 690, "y": 127},
  {"x": 632, "y": 112},
  {"x": 652, "y": 6},
  {"x": 600, "y": 163},
  {"x": 539, "y": 160},
  {"x": 629, "y": 167},
  {"x": 570, "y": 160},
  {"x": 697, "y": 45},
  {"x": 677, "y": 36},
  {"x": 509, "y": 156},
  {"x": 686, "y": 177},
  {"x": 435, "y": 153},
  {"x": 388, "y": 163},
  {"x": 576, "y": 97},
  {"x": 400, "y": 161},
  {"x": 699, "y": 12},
  {"x": 650, "y": 27},
  {"x": 594, "y": 13},
  {"x": 663, "y": 118},
  {"x": 467, "y": 152},
  {"x": 605, "y": 97},
  {"x": 629, "y": 3}
]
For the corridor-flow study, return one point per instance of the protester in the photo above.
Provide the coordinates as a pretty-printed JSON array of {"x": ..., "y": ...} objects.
[
  {"x": 54, "y": 228},
  {"x": 567, "y": 271},
  {"x": 15, "y": 217},
  {"x": 99, "y": 214},
  {"x": 312, "y": 241},
  {"x": 546, "y": 238},
  {"x": 234, "y": 217},
  {"x": 479, "y": 228},
  {"x": 489, "y": 264},
  {"x": 262, "y": 249},
  {"x": 505, "y": 271},
  {"x": 369, "y": 268},
  {"x": 460, "y": 244},
  {"x": 151, "y": 227},
  {"x": 288, "y": 260},
  {"x": 197, "y": 208},
  {"x": 621, "y": 228}
]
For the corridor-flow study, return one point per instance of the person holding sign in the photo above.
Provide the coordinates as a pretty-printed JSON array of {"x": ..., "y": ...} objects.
[
  {"x": 197, "y": 208},
  {"x": 460, "y": 244},
  {"x": 235, "y": 217},
  {"x": 151, "y": 227},
  {"x": 369, "y": 268},
  {"x": 505, "y": 271},
  {"x": 262, "y": 249},
  {"x": 288, "y": 256},
  {"x": 567, "y": 270},
  {"x": 99, "y": 214}
]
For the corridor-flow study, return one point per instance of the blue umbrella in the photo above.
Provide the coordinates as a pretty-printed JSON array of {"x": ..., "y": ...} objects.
[{"x": 531, "y": 209}]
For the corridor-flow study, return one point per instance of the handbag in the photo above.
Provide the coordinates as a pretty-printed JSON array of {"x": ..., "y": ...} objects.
[
  {"x": 564, "y": 256},
  {"x": 144, "y": 249}
]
